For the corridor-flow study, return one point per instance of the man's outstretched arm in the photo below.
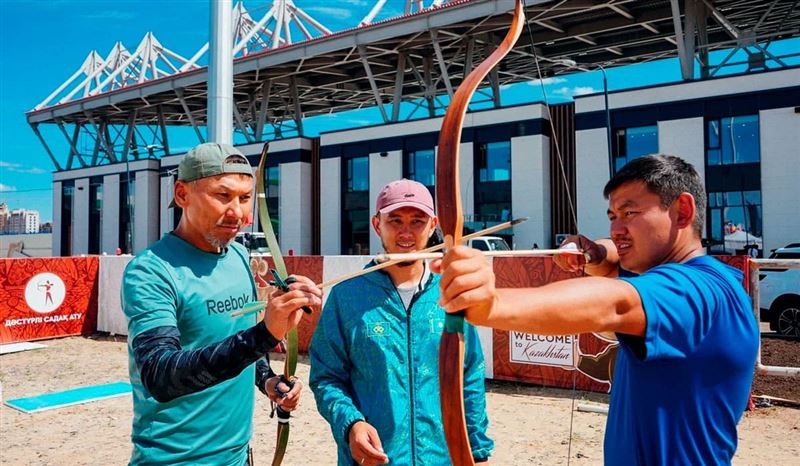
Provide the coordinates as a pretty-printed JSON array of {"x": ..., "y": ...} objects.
[{"x": 589, "y": 304}]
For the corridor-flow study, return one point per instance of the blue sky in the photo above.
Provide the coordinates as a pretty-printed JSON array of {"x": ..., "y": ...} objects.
[{"x": 42, "y": 43}]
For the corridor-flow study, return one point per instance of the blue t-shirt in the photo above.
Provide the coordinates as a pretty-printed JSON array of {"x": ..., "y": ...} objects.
[
  {"x": 680, "y": 391},
  {"x": 172, "y": 283}
]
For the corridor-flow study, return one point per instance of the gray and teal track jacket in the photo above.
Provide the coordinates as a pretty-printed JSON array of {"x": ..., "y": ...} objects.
[{"x": 373, "y": 360}]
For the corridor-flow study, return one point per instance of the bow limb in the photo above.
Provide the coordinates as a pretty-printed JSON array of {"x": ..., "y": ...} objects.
[
  {"x": 290, "y": 366},
  {"x": 448, "y": 200}
]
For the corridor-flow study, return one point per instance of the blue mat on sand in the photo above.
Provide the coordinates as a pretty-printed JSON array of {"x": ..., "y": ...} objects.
[{"x": 75, "y": 396}]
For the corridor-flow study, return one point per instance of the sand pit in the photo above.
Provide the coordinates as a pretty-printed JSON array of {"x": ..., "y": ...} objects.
[{"x": 530, "y": 425}]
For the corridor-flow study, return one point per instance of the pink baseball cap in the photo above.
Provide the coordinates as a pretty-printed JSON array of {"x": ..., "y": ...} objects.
[{"x": 405, "y": 193}]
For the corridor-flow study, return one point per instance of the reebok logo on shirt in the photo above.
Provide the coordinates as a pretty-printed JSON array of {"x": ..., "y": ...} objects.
[{"x": 230, "y": 304}]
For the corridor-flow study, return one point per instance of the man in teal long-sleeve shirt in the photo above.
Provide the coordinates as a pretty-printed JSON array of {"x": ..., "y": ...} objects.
[{"x": 374, "y": 356}]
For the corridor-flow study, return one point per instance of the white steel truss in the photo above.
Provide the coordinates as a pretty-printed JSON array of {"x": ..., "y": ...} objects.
[
  {"x": 405, "y": 63},
  {"x": 273, "y": 30},
  {"x": 151, "y": 60},
  {"x": 120, "y": 68},
  {"x": 411, "y": 6}
]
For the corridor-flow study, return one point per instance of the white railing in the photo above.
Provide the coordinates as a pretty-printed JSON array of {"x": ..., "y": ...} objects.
[{"x": 755, "y": 266}]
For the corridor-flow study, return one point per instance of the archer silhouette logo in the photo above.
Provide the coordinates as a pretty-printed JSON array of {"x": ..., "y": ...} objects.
[{"x": 45, "y": 292}]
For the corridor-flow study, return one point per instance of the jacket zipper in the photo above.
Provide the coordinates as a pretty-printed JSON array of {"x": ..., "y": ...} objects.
[{"x": 411, "y": 368}]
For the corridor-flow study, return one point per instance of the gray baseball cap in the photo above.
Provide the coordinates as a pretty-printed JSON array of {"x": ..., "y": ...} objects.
[{"x": 212, "y": 159}]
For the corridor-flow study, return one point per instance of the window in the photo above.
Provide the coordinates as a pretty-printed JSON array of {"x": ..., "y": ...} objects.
[
  {"x": 421, "y": 166},
  {"x": 492, "y": 187},
  {"x": 631, "y": 143},
  {"x": 272, "y": 186},
  {"x": 734, "y": 220},
  {"x": 355, "y": 205},
  {"x": 733, "y": 140},
  {"x": 95, "y": 215},
  {"x": 733, "y": 182},
  {"x": 177, "y": 212},
  {"x": 127, "y": 189},
  {"x": 67, "y": 197},
  {"x": 494, "y": 162}
]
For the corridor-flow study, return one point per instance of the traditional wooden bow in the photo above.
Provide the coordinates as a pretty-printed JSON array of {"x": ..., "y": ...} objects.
[
  {"x": 448, "y": 201},
  {"x": 291, "y": 337}
]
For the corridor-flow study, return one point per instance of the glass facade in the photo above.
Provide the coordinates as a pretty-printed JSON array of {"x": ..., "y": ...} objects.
[
  {"x": 272, "y": 186},
  {"x": 733, "y": 183},
  {"x": 95, "y": 215},
  {"x": 630, "y": 143},
  {"x": 177, "y": 212},
  {"x": 355, "y": 206},
  {"x": 492, "y": 187},
  {"x": 127, "y": 190},
  {"x": 67, "y": 202},
  {"x": 420, "y": 166},
  {"x": 733, "y": 140}
]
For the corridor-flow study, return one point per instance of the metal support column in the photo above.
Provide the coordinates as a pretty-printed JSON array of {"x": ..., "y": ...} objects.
[
  {"x": 399, "y": 78},
  {"x": 220, "y": 73},
  {"x": 376, "y": 93}
]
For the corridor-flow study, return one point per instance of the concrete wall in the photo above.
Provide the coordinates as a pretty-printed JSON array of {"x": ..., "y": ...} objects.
[
  {"x": 592, "y": 175},
  {"x": 530, "y": 190},
  {"x": 33, "y": 245},
  {"x": 382, "y": 170},
  {"x": 330, "y": 203},
  {"x": 165, "y": 220},
  {"x": 146, "y": 211},
  {"x": 295, "y": 207},
  {"x": 780, "y": 176},
  {"x": 110, "y": 238},
  {"x": 466, "y": 175},
  {"x": 692, "y": 90},
  {"x": 56, "y": 240},
  {"x": 686, "y": 139},
  {"x": 80, "y": 217}
]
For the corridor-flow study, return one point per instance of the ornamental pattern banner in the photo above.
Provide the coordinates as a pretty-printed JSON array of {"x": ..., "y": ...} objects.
[{"x": 47, "y": 297}]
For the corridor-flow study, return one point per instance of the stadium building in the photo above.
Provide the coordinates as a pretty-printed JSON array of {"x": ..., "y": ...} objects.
[{"x": 737, "y": 121}]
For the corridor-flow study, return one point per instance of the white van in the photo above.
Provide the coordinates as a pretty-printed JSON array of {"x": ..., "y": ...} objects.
[
  {"x": 488, "y": 243},
  {"x": 779, "y": 293}
]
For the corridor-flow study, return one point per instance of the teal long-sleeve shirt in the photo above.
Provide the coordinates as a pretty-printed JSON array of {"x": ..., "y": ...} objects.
[{"x": 373, "y": 360}]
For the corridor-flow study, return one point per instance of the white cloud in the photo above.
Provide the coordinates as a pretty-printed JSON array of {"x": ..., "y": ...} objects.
[
  {"x": 546, "y": 81},
  {"x": 19, "y": 168},
  {"x": 6, "y": 188},
  {"x": 536, "y": 82},
  {"x": 356, "y": 3},
  {"x": 359, "y": 122},
  {"x": 582, "y": 90},
  {"x": 571, "y": 91},
  {"x": 341, "y": 13}
]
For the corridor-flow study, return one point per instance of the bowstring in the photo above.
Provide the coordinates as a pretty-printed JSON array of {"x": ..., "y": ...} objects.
[{"x": 554, "y": 139}]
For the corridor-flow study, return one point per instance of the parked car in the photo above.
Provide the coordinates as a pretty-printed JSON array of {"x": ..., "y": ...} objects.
[
  {"x": 255, "y": 242},
  {"x": 779, "y": 291},
  {"x": 489, "y": 243}
]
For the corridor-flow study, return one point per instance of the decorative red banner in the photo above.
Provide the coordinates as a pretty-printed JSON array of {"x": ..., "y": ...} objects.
[
  {"x": 47, "y": 297},
  {"x": 309, "y": 266}
]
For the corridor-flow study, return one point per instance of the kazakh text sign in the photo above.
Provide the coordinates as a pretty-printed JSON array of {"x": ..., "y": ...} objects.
[{"x": 47, "y": 297}]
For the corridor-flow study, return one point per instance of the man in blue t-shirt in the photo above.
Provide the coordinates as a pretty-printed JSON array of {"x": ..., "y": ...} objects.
[
  {"x": 192, "y": 366},
  {"x": 688, "y": 336}
]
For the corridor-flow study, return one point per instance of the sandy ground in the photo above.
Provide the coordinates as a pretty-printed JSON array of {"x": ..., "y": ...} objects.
[{"x": 530, "y": 425}]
